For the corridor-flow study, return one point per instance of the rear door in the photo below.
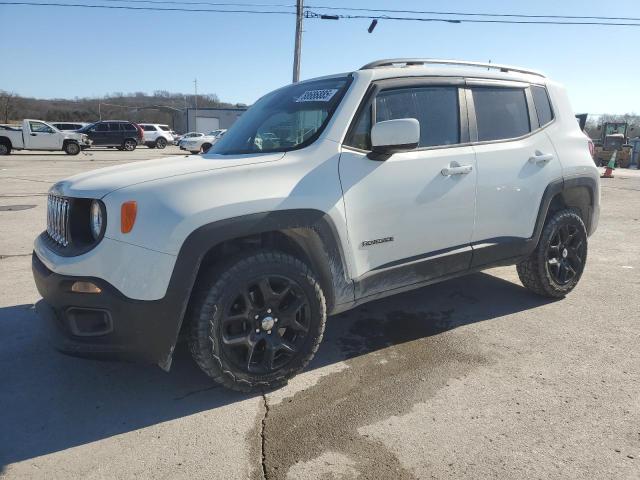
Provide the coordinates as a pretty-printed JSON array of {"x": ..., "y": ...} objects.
[
  {"x": 516, "y": 162},
  {"x": 408, "y": 220},
  {"x": 116, "y": 134},
  {"x": 149, "y": 133}
]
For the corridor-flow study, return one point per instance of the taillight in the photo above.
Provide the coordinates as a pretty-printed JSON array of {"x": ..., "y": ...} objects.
[{"x": 592, "y": 148}]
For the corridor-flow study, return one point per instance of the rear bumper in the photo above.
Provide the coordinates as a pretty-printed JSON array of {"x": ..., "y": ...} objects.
[{"x": 106, "y": 324}]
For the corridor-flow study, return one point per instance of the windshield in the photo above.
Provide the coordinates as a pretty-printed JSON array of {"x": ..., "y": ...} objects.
[
  {"x": 86, "y": 128},
  {"x": 286, "y": 119}
]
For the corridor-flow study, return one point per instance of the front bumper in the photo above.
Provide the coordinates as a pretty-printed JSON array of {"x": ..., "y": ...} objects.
[{"x": 106, "y": 324}]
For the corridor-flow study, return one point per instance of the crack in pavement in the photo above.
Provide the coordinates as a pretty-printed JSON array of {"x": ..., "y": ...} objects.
[
  {"x": 262, "y": 436},
  {"x": 30, "y": 180},
  {"x": 23, "y": 195},
  {"x": 2, "y": 257},
  {"x": 195, "y": 392}
]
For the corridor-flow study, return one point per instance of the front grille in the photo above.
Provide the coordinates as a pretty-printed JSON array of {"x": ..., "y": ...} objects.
[{"x": 58, "y": 220}]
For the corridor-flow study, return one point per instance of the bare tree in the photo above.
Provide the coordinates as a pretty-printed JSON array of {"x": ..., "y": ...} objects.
[{"x": 7, "y": 100}]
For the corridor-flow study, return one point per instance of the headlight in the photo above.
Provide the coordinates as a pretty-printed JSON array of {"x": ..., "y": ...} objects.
[{"x": 96, "y": 219}]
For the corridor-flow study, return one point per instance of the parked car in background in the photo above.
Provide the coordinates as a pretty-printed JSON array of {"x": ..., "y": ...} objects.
[
  {"x": 179, "y": 138},
  {"x": 39, "y": 135},
  {"x": 156, "y": 135},
  {"x": 114, "y": 133},
  {"x": 203, "y": 143},
  {"x": 69, "y": 126}
]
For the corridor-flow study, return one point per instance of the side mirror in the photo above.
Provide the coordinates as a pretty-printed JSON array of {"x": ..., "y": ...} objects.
[{"x": 392, "y": 136}]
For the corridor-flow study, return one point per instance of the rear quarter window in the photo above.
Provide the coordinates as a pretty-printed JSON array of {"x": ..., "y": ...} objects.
[
  {"x": 501, "y": 113},
  {"x": 542, "y": 104}
]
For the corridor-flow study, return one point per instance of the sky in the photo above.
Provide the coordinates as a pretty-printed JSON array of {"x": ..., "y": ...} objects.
[{"x": 50, "y": 52}]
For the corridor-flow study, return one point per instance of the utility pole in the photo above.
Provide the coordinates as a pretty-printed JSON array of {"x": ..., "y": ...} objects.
[
  {"x": 298, "y": 46},
  {"x": 195, "y": 86}
]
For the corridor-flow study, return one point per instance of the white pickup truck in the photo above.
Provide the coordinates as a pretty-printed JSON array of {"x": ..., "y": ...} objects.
[{"x": 39, "y": 135}]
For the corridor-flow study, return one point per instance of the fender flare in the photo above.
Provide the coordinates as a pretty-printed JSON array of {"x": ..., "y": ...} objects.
[
  {"x": 312, "y": 230},
  {"x": 557, "y": 187}
]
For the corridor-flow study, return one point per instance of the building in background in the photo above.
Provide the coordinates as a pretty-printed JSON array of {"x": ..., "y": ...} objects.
[{"x": 209, "y": 119}]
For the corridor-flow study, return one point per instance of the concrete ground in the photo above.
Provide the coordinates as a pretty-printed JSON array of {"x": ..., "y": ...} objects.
[{"x": 471, "y": 378}]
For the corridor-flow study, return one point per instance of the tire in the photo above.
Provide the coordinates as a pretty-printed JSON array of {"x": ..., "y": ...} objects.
[
  {"x": 129, "y": 145},
  {"x": 556, "y": 265},
  {"x": 194, "y": 152},
  {"x": 71, "y": 148},
  {"x": 161, "y": 143},
  {"x": 205, "y": 147},
  {"x": 256, "y": 321},
  {"x": 5, "y": 149}
]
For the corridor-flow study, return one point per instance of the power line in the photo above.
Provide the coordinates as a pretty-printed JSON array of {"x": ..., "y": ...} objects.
[
  {"x": 153, "y": 9},
  {"x": 214, "y": 4},
  {"x": 471, "y": 14},
  {"x": 313, "y": 15}
]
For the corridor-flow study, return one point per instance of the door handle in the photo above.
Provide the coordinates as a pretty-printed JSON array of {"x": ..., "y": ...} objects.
[
  {"x": 540, "y": 158},
  {"x": 34, "y": 134},
  {"x": 456, "y": 170}
]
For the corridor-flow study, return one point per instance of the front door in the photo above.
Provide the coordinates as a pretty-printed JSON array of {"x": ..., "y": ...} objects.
[
  {"x": 42, "y": 137},
  {"x": 99, "y": 134},
  {"x": 410, "y": 217}
]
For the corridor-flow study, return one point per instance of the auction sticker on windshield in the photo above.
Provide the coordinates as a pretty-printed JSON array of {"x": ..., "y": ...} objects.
[{"x": 323, "y": 95}]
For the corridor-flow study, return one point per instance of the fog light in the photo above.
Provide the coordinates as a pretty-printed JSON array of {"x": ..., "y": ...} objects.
[{"x": 85, "y": 287}]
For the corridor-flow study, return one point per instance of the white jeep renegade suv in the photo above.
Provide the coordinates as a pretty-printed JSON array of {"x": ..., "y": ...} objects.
[{"x": 324, "y": 195}]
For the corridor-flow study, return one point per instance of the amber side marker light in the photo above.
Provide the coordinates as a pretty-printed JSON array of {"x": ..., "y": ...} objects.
[
  {"x": 128, "y": 213},
  {"x": 85, "y": 287}
]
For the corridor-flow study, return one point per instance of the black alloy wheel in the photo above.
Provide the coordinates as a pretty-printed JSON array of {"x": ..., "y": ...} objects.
[
  {"x": 566, "y": 254},
  {"x": 556, "y": 265},
  {"x": 256, "y": 320},
  {"x": 266, "y": 324}
]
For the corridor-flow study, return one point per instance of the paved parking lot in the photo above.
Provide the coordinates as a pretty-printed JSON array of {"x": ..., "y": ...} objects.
[{"x": 471, "y": 378}]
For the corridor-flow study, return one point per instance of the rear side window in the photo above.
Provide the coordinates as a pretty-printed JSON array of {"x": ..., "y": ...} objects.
[
  {"x": 129, "y": 127},
  {"x": 543, "y": 105},
  {"x": 149, "y": 128},
  {"x": 165, "y": 128},
  {"x": 114, "y": 127},
  {"x": 436, "y": 108},
  {"x": 501, "y": 113}
]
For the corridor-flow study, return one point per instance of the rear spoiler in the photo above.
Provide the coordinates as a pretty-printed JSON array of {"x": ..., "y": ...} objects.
[{"x": 582, "y": 120}]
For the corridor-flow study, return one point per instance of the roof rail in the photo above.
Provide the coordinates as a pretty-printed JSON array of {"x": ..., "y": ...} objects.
[{"x": 432, "y": 61}]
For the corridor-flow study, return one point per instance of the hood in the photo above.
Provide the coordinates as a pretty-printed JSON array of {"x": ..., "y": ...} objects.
[
  {"x": 72, "y": 135},
  {"x": 98, "y": 183}
]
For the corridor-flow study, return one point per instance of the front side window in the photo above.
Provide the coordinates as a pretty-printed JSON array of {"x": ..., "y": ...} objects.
[
  {"x": 543, "y": 106},
  {"x": 501, "y": 113},
  {"x": 284, "y": 120},
  {"x": 39, "y": 127},
  {"x": 101, "y": 127},
  {"x": 436, "y": 108}
]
